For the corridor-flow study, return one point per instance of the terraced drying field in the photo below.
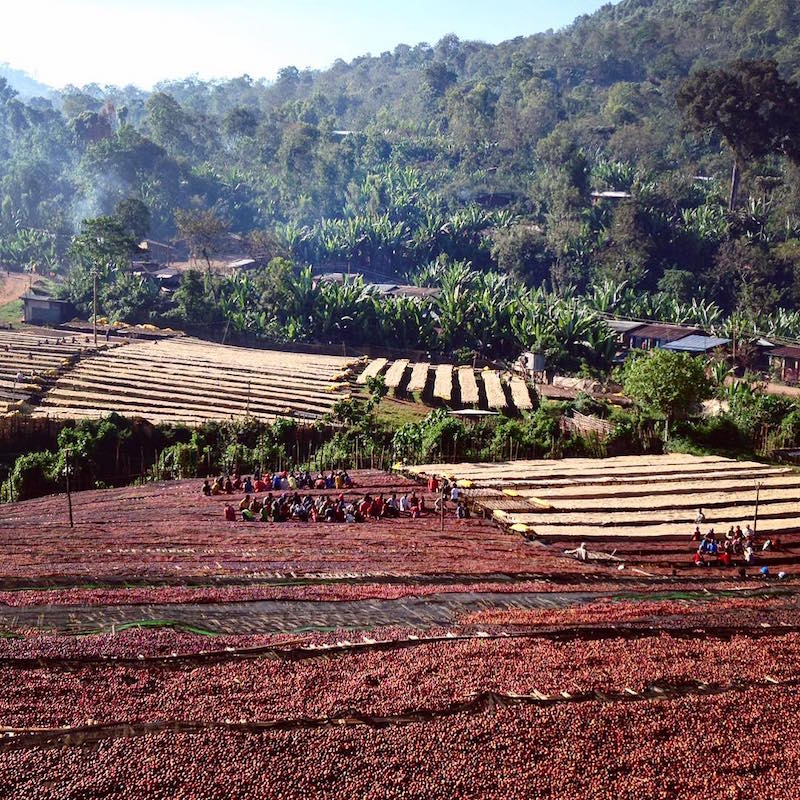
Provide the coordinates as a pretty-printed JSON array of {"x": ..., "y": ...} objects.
[
  {"x": 29, "y": 357},
  {"x": 189, "y": 381},
  {"x": 459, "y": 387},
  {"x": 395, "y": 658},
  {"x": 641, "y": 509}
]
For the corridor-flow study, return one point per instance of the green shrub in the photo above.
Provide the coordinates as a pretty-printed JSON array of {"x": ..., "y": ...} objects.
[{"x": 34, "y": 475}]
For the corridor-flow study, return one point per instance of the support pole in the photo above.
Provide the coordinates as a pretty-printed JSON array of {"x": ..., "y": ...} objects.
[
  {"x": 67, "y": 454},
  {"x": 755, "y": 517},
  {"x": 94, "y": 303},
  {"x": 441, "y": 521}
]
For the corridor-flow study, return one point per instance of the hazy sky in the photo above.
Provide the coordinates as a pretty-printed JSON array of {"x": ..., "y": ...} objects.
[{"x": 144, "y": 41}]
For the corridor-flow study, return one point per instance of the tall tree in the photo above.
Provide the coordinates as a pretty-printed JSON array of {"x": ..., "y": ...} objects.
[
  {"x": 750, "y": 106},
  {"x": 202, "y": 230},
  {"x": 667, "y": 383}
]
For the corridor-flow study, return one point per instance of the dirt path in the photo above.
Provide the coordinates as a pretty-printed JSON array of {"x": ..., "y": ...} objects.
[
  {"x": 286, "y": 616},
  {"x": 12, "y": 287}
]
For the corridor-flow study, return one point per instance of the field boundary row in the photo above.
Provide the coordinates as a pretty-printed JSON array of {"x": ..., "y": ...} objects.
[
  {"x": 295, "y": 651},
  {"x": 482, "y": 702}
]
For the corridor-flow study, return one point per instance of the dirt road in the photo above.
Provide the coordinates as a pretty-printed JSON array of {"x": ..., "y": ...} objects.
[{"x": 12, "y": 286}]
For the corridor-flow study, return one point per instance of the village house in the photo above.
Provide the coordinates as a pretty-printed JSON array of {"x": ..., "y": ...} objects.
[{"x": 784, "y": 362}]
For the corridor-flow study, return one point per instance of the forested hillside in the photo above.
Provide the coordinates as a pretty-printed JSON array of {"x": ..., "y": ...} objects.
[{"x": 401, "y": 163}]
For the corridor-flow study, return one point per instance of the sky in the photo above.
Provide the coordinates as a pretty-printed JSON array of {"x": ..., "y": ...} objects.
[{"x": 142, "y": 42}]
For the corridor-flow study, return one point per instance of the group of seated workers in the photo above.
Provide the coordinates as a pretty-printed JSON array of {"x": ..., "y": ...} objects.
[
  {"x": 736, "y": 544},
  {"x": 277, "y": 482},
  {"x": 324, "y": 508},
  {"x": 327, "y": 508}
]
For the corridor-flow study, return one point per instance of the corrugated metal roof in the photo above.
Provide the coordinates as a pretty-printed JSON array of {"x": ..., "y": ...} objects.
[
  {"x": 612, "y": 195},
  {"x": 623, "y": 325},
  {"x": 665, "y": 332},
  {"x": 44, "y": 298},
  {"x": 786, "y": 351},
  {"x": 382, "y": 288},
  {"x": 696, "y": 344}
]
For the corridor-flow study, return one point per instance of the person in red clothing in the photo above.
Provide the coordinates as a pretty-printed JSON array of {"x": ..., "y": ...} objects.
[
  {"x": 260, "y": 486},
  {"x": 364, "y": 506},
  {"x": 230, "y": 513},
  {"x": 433, "y": 485}
]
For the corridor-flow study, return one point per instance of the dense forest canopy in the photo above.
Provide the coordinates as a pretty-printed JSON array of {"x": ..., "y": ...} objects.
[{"x": 406, "y": 163}]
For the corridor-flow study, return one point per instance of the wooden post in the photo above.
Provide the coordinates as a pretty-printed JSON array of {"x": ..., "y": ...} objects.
[
  {"x": 94, "y": 303},
  {"x": 441, "y": 521},
  {"x": 755, "y": 517},
  {"x": 67, "y": 454}
]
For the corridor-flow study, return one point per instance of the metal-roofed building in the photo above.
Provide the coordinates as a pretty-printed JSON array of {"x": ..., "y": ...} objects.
[
  {"x": 40, "y": 309},
  {"x": 657, "y": 334},
  {"x": 784, "y": 361},
  {"x": 695, "y": 343},
  {"x": 623, "y": 328}
]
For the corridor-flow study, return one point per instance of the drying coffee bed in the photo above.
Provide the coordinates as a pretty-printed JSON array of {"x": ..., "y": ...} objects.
[
  {"x": 638, "y": 509},
  {"x": 462, "y": 711},
  {"x": 29, "y": 356},
  {"x": 189, "y": 381},
  {"x": 393, "y": 658},
  {"x": 170, "y": 531},
  {"x": 462, "y": 387}
]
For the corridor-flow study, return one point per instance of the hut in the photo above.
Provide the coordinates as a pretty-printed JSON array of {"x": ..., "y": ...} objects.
[{"x": 784, "y": 362}]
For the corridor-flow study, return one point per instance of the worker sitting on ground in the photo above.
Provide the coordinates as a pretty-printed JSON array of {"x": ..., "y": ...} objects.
[
  {"x": 580, "y": 552},
  {"x": 206, "y": 488},
  {"x": 376, "y": 510},
  {"x": 245, "y": 503},
  {"x": 228, "y": 489},
  {"x": 462, "y": 512},
  {"x": 392, "y": 507},
  {"x": 256, "y": 505},
  {"x": 230, "y": 513},
  {"x": 216, "y": 487},
  {"x": 266, "y": 511},
  {"x": 248, "y": 515},
  {"x": 405, "y": 506},
  {"x": 248, "y": 486},
  {"x": 260, "y": 486}
]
